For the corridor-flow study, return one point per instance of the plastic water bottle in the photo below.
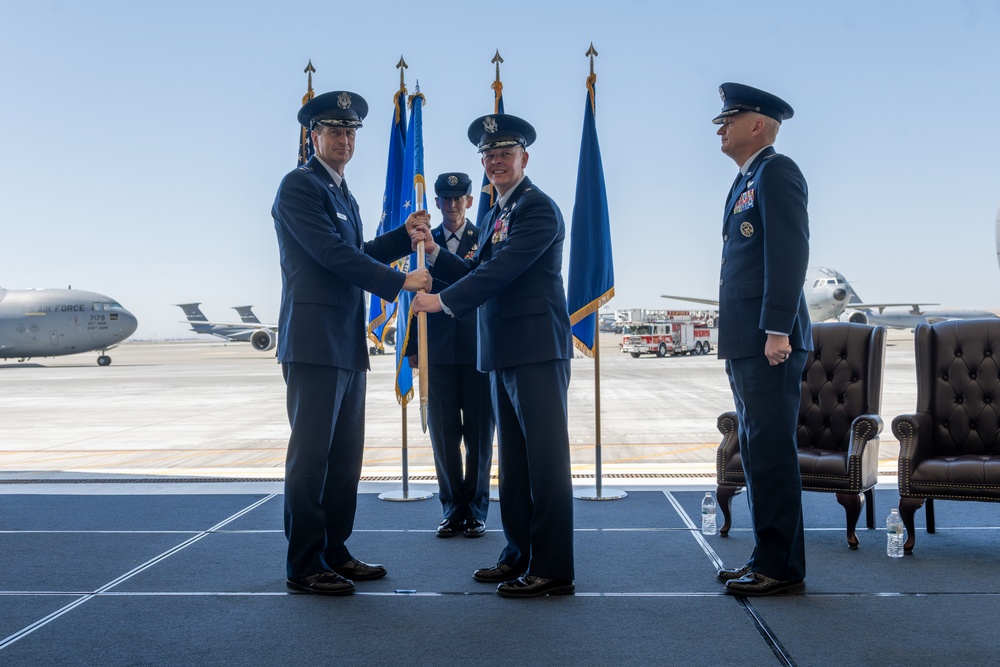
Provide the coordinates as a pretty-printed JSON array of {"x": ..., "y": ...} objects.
[
  {"x": 708, "y": 515},
  {"x": 894, "y": 534}
]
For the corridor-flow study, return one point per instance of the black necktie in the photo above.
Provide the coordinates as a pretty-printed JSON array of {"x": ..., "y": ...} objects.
[
  {"x": 736, "y": 184},
  {"x": 453, "y": 236},
  {"x": 343, "y": 188}
]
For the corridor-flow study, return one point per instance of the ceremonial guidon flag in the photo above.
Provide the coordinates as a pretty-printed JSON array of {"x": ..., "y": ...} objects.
[
  {"x": 413, "y": 173},
  {"x": 487, "y": 198},
  {"x": 591, "y": 268},
  {"x": 381, "y": 313}
]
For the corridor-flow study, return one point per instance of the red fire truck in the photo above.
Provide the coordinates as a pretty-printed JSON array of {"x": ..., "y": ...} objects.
[{"x": 681, "y": 333}]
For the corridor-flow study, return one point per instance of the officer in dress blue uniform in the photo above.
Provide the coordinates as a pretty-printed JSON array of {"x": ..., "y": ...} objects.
[
  {"x": 326, "y": 266},
  {"x": 514, "y": 278},
  {"x": 459, "y": 403},
  {"x": 764, "y": 331}
]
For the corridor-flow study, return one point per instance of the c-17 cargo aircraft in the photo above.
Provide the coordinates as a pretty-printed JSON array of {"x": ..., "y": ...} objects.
[
  {"x": 829, "y": 295},
  {"x": 262, "y": 337},
  {"x": 57, "y": 322}
]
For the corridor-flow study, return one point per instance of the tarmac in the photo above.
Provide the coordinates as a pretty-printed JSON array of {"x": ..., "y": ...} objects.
[{"x": 208, "y": 411}]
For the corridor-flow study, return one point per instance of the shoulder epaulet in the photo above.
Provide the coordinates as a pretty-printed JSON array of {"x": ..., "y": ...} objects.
[{"x": 305, "y": 168}]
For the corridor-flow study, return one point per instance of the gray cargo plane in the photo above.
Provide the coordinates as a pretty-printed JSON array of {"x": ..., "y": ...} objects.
[
  {"x": 56, "y": 322},
  {"x": 262, "y": 337},
  {"x": 829, "y": 295}
]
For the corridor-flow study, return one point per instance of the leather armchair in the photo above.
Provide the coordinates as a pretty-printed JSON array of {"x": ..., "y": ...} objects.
[
  {"x": 950, "y": 447},
  {"x": 838, "y": 428}
]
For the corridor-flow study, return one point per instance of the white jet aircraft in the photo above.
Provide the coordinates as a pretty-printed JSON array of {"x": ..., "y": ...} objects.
[{"x": 829, "y": 295}]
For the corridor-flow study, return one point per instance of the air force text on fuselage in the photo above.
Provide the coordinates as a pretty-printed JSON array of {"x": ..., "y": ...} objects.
[{"x": 56, "y": 322}]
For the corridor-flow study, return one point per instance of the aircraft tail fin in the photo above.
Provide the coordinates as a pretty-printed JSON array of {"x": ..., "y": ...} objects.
[
  {"x": 246, "y": 314},
  {"x": 192, "y": 311}
]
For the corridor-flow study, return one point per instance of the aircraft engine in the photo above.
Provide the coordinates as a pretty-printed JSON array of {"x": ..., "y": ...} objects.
[
  {"x": 263, "y": 340},
  {"x": 858, "y": 317}
]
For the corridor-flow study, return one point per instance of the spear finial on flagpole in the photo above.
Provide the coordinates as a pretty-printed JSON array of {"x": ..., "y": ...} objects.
[
  {"x": 401, "y": 66},
  {"x": 497, "y": 59},
  {"x": 592, "y": 79},
  {"x": 497, "y": 85},
  {"x": 309, "y": 70}
]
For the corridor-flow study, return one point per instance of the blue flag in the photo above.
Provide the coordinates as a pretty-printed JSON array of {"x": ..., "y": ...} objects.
[
  {"x": 413, "y": 174},
  {"x": 591, "y": 269},
  {"x": 381, "y": 313},
  {"x": 486, "y": 196}
]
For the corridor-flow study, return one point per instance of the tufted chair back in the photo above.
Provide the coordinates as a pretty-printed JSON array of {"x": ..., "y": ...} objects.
[
  {"x": 839, "y": 383},
  {"x": 950, "y": 447},
  {"x": 837, "y": 436},
  {"x": 958, "y": 385}
]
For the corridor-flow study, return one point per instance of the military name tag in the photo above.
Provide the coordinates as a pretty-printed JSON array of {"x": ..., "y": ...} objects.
[
  {"x": 341, "y": 215},
  {"x": 746, "y": 229}
]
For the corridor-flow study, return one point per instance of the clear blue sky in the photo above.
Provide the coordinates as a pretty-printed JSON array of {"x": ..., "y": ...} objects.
[{"x": 141, "y": 143}]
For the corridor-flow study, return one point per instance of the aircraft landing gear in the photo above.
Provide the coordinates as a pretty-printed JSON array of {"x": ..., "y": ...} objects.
[{"x": 104, "y": 360}]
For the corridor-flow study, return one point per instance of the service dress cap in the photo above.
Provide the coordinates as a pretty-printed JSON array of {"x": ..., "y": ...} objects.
[
  {"x": 339, "y": 108},
  {"x": 501, "y": 130},
  {"x": 453, "y": 184},
  {"x": 737, "y": 98}
]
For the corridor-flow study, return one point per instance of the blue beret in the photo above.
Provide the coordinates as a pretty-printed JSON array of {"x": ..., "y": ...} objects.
[
  {"x": 453, "y": 184},
  {"x": 500, "y": 130},
  {"x": 737, "y": 98},
  {"x": 339, "y": 108}
]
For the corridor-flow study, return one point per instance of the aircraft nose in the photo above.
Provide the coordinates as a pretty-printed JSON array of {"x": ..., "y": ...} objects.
[
  {"x": 839, "y": 294},
  {"x": 128, "y": 323}
]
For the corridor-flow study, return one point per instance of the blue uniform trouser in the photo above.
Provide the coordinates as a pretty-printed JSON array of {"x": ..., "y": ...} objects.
[
  {"x": 536, "y": 486},
  {"x": 460, "y": 408},
  {"x": 326, "y": 410},
  {"x": 767, "y": 404}
]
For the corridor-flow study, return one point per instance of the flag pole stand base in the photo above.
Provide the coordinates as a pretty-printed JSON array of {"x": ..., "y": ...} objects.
[
  {"x": 594, "y": 493},
  {"x": 403, "y": 495}
]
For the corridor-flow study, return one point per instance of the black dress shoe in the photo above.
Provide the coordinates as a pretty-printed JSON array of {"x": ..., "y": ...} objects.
[
  {"x": 324, "y": 583},
  {"x": 474, "y": 527},
  {"x": 359, "y": 571},
  {"x": 499, "y": 573},
  {"x": 757, "y": 584},
  {"x": 530, "y": 586},
  {"x": 449, "y": 528},
  {"x": 727, "y": 574}
]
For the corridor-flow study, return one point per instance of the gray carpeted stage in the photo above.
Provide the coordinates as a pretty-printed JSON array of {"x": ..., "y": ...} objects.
[{"x": 198, "y": 580}]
